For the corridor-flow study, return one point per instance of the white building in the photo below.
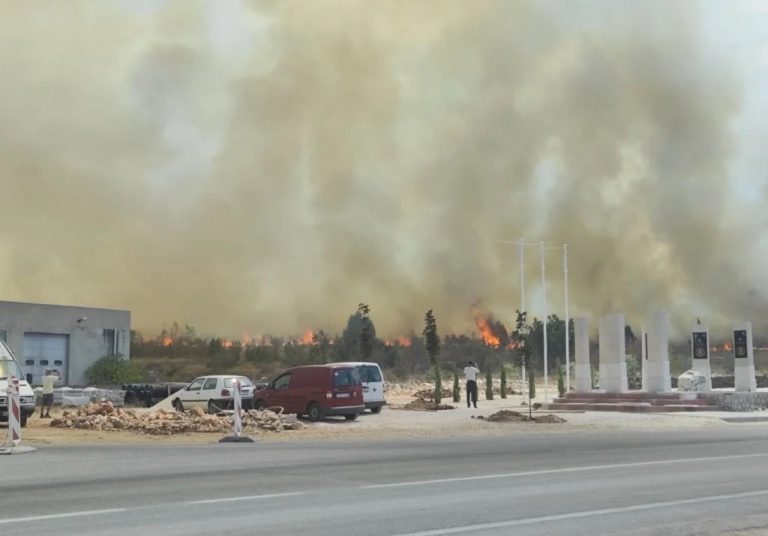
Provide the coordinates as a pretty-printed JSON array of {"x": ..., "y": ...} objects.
[{"x": 69, "y": 339}]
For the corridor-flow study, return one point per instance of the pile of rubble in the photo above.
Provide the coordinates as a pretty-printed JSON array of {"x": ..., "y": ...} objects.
[
  {"x": 420, "y": 404},
  {"x": 104, "y": 416},
  {"x": 514, "y": 416}
]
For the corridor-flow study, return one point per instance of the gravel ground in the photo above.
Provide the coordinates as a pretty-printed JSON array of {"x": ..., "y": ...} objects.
[{"x": 393, "y": 422}]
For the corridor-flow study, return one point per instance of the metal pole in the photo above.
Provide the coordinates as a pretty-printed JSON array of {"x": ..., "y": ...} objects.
[
  {"x": 522, "y": 302},
  {"x": 567, "y": 327},
  {"x": 544, "y": 294}
]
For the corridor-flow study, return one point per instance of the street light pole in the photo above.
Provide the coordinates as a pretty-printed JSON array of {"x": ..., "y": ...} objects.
[
  {"x": 567, "y": 327},
  {"x": 544, "y": 295},
  {"x": 522, "y": 301}
]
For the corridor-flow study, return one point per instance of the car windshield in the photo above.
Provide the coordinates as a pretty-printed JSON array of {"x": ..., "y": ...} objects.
[
  {"x": 369, "y": 373},
  {"x": 9, "y": 367}
]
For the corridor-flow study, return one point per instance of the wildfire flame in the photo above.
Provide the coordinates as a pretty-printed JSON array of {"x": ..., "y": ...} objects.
[
  {"x": 308, "y": 338},
  {"x": 490, "y": 330},
  {"x": 167, "y": 341},
  {"x": 226, "y": 343},
  {"x": 493, "y": 332},
  {"x": 403, "y": 340}
]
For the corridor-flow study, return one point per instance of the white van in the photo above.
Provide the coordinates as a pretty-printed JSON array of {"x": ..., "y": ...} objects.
[
  {"x": 373, "y": 384},
  {"x": 9, "y": 367}
]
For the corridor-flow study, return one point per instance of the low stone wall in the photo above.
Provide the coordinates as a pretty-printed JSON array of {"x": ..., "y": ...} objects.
[
  {"x": 724, "y": 382},
  {"x": 730, "y": 401}
]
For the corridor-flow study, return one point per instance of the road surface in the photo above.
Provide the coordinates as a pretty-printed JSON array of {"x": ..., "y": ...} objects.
[{"x": 694, "y": 482}]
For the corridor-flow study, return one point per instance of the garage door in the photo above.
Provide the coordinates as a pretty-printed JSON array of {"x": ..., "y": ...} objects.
[{"x": 43, "y": 351}]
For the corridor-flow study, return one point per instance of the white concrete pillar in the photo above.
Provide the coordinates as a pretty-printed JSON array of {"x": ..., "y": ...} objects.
[
  {"x": 743, "y": 357},
  {"x": 613, "y": 366},
  {"x": 657, "y": 367},
  {"x": 582, "y": 369},
  {"x": 700, "y": 353}
]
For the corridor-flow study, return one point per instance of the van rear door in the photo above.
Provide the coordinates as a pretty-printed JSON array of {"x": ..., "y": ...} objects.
[
  {"x": 345, "y": 386},
  {"x": 373, "y": 382}
]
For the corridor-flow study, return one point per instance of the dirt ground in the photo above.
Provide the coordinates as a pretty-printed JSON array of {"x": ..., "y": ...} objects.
[{"x": 395, "y": 422}]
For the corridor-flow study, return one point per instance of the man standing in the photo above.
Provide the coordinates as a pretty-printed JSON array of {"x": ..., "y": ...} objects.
[
  {"x": 470, "y": 373},
  {"x": 50, "y": 378}
]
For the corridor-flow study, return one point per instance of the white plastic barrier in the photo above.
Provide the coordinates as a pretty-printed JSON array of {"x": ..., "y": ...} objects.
[{"x": 14, "y": 414}]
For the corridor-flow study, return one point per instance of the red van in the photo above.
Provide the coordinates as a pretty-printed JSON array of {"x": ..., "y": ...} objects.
[{"x": 316, "y": 391}]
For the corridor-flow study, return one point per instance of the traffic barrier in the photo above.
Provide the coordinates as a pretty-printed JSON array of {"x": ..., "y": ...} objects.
[
  {"x": 14, "y": 414},
  {"x": 13, "y": 438},
  {"x": 237, "y": 422}
]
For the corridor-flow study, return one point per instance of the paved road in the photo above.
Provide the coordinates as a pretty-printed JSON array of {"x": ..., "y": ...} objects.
[{"x": 702, "y": 482}]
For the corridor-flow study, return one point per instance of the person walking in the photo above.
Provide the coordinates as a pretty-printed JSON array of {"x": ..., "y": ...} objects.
[
  {"x": 470, "y": 374},
  {"x": 50, "y": 378}
]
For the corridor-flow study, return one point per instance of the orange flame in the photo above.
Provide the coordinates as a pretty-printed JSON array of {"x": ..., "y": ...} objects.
[
  {"x": 484, "y": 327},
  {"x": 167, "y": 341},
  {"x": 308, "y": 338},
  {"x": 226, "y": 343},
  {"x": 402, "y": 340}
]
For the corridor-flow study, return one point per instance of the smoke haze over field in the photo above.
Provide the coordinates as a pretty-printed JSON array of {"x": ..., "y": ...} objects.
[{"x": 265, "y": 166}]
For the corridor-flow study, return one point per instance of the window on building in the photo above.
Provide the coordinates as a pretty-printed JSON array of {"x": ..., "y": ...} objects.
[{"x": 110, "y": 341}]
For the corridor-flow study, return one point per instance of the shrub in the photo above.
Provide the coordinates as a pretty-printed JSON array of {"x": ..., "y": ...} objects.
[
  {"x": 560, "y": 382},
  {"x": 531, "y": 384},
  {"x": 456, "y": 388},
  {"x": 113, "y": 370},
  {"x": 438, "y": 386},
  {"x": 503, "y": 381}
]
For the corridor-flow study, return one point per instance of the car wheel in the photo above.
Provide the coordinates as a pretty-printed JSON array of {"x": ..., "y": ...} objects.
[
  {"x": 314, "y": 413},
  {"x": 177, "y": 405},
  {"x": 259, "y": 404},
  {"x": 212, "y": 407},
  {"x": 376, "y": 409},
  {"x": 23, "y": 420},
  {"x": 351, "y": 417}
]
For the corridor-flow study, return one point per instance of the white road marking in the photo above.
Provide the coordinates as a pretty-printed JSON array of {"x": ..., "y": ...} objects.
[
  {"x": 61, "y": 516},
  {"x": 587, "y": 513},
  {"x": 564, "y": 470},
  {"x": 247, "y": 498}
]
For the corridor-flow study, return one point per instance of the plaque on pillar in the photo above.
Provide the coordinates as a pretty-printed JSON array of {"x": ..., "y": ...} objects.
[
  {"x": 700, "y": 353},
  {"x": 743, "y": 358}
]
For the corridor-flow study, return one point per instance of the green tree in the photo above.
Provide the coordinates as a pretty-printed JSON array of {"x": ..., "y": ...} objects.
[
  {"x": 432, "y": 342},
  {"x": 456, "y": 388},
  {"x": 359, "y": 335},
  {"x": 503, "y": 381},
  {"x": 113, "y": 370},
  {"x": 488, "y": 385}
]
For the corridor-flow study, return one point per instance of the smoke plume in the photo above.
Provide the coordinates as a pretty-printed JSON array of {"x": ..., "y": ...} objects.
[{"x": 266, "y": 166}]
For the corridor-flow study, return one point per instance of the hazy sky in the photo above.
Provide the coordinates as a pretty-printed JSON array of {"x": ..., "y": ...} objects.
[{"x": 265, "y": 166}]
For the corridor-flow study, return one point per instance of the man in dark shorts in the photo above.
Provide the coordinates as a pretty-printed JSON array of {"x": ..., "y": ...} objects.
[
  {"x": 470, "y": 374},
  {"x": 50, "y": 378}
]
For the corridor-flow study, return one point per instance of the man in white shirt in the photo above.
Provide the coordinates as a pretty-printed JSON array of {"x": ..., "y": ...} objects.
[
  {"x": 470, "y": 373},
  {"x": 50, "y": 378}
]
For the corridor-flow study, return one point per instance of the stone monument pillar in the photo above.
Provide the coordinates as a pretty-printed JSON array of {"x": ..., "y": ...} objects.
[
  {"x": 700, "y": 352},
  {"x": 613, "y": 366},
  {"x": 743, "y": 358},
  {"x": 657, "y": 366},
  {"x": 582, "y": 369}
]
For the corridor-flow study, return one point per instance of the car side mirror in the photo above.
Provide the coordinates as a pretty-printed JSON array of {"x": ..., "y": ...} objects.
[{"x": 186, "y": 388}]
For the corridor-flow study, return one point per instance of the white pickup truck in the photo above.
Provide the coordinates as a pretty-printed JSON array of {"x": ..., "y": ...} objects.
[{"x": 9, "y": 367}]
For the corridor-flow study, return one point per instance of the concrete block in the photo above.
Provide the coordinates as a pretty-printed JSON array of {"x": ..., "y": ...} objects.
[
  {"x": 658, "y": 378},
  {"x": 582, "y": 369},
  {"x": 613, "y": 367},
  {"x": 744, "y": 358}
]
